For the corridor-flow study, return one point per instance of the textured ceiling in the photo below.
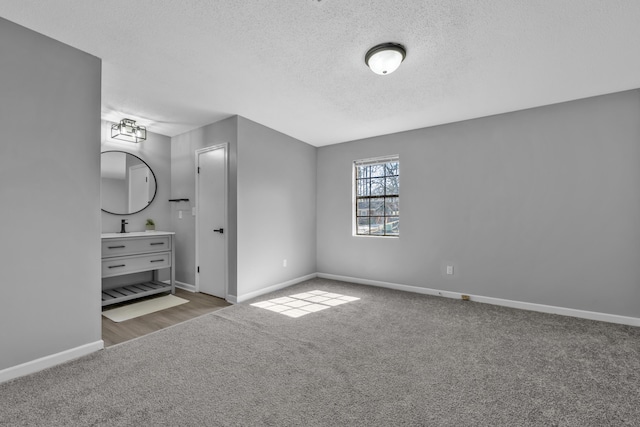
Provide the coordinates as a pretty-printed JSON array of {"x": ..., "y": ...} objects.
[{"x": 297, "y": 65}]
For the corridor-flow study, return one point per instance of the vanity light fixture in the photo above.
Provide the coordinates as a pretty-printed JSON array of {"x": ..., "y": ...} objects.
[
  {"x": 385, "y": 58},
  {"x": 128, "y": 130}
]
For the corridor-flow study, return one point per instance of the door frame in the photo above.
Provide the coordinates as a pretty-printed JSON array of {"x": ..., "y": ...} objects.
[{"x": 224, "y": 145}]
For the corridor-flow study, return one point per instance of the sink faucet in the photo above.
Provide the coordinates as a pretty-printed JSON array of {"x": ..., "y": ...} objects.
[{"x": 123, "y": 222}]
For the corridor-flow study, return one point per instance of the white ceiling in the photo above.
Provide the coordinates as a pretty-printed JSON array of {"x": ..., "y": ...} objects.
[{"x": 297, "y": 66}]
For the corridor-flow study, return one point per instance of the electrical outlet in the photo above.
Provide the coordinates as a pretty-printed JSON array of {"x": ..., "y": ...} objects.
[
  {"x": 179, "y": 214},
  {"x": 449, "y": 270},
  {"x": 284, "y": 263}
]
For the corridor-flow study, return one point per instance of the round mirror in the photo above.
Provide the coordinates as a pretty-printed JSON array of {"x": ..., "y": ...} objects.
[{"x": 128, "y": 184}]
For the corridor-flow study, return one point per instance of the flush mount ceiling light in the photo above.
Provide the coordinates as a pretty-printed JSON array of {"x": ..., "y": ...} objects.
[
  {"x": 385, "y": 58},
  {"x": 128, "y": 130}
]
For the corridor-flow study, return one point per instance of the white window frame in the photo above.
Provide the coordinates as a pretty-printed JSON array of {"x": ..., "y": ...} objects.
[{"x": 354, "y": 197}]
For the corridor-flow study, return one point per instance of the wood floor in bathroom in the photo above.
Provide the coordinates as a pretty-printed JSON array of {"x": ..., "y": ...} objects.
[{"x": 199, "y": 304}]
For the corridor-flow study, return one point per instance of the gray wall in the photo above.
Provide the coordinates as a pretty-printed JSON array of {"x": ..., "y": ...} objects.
[
  {"x": 540, "y": 206},
  {"x": 183, "y": 185},
  {"x": 271, "y": 196},
  {"x": 156, "y": 152},
  {"x": 50, "y": 192},
  {"x": 276, "y": 207}
]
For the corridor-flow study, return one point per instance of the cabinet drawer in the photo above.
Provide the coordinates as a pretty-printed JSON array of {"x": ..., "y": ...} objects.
[
  {"x": 129, "y": 246},
  {"x": 135, "y": 263}
]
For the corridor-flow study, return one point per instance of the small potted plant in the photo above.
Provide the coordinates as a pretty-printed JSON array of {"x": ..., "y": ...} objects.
[{"x": 150, "y": 225}]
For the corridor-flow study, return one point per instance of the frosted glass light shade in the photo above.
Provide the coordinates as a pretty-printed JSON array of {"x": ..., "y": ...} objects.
[{"x": 385, "y": 58}]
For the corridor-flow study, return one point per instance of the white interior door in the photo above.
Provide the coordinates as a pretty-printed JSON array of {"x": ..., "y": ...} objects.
[
  {"x": 211, "y": 220},
  {"x": 138, "y": 187}
]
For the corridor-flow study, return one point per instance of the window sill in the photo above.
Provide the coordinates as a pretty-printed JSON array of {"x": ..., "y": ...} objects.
[{"x": 375, "y": 236}]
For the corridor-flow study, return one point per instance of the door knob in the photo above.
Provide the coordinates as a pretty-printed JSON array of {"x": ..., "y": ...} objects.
[{"x": 219, "y": 230}]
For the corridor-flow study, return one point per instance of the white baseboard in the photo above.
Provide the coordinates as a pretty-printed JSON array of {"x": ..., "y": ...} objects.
[
  {"x": 232, "y": 299},
  {"x": 254, "y": 294},
  {"x": 185, "y": 286},
  {"x": 583, "y": 314},
  {"x": 49, "y": 361}
]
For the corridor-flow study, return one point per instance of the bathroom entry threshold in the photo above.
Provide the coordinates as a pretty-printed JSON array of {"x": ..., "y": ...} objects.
[{"x": 199, "y": 304}]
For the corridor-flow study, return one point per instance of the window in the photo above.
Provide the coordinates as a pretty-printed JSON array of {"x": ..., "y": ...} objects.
[{"x": 377, "y": 196}]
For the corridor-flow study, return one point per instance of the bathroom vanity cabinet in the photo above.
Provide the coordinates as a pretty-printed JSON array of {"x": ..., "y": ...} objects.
[{"x": 134, "y": 253}]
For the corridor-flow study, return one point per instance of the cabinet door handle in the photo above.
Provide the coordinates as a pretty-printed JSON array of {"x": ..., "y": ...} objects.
[
  {"x": 116, "y": 266},
  {"x": 156, "y": 243},
  {"x": 117, "y": 247},
  {"x": 219, "y": 230},
  {"x": 156, "y": 260}
]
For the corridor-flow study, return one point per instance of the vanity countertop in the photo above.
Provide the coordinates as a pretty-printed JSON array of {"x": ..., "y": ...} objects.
[{"x": 136, "y": 234}]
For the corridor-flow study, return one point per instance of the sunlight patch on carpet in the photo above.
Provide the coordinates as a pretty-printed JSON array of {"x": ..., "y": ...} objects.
[{"x": 304, "y": 303}]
